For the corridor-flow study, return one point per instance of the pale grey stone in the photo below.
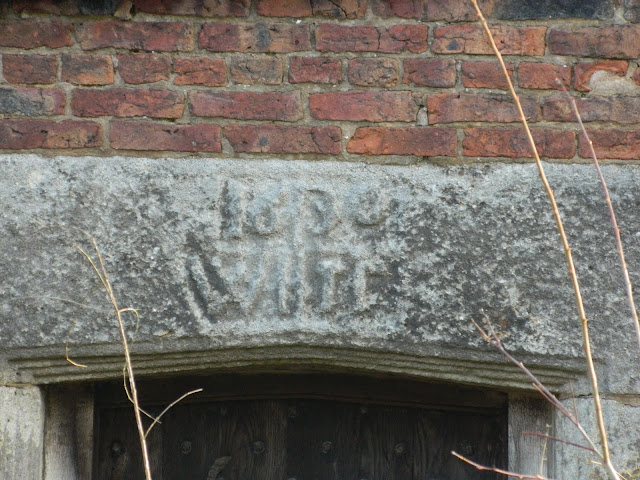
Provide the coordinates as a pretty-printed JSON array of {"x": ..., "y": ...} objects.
[
  {"x": 621, "y": 416},
  {"x": 314, "y": 264},
  {"x": 21, "y": 433}
]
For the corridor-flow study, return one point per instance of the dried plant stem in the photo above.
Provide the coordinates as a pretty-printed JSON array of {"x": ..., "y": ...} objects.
[
  {"x": 104, "y": 278},
  {"x": 498, "y": 470},
  {"x": 613, "y": 475},
  {"x": 612, "y": 216}
]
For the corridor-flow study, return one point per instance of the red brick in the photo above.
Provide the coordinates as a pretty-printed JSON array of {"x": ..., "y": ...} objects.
[
  {"x": 625, "y": 110},
  {"x": 253, "y": 70},
  {"x": 137, "y": 135},
  {"x": 30, "y": 69},
  {"x": 340, "y": 8},
  {"x": 32, "y": 34},
  {"x": 389, "y": 106},
  {"x": 455, "y": 10},
  {"x": 367, "y": 38},
  {"x": 612, "y": 143},
  {"x": 512, "y": 142},
  {"x": 421, "y": 141},
  {"x": 31, "y": 102},
  {"x": 343, "y": 38},
  {"x": 53, "y": 7},
  {"x": 150, "y": 36},
  {"x": 478, "y": 107},
  {"x": 608, "y": 41},
  {"x": 27, "y": 134},
  {"x": 127, "y": 102},
  {"x": 373, "y": 72},
  {"x": 65, "y": 7},
  {"x": 404, "y": 38},
  {"x": 284, "y": 139},
  {"x": 636, "y": 76},
  {"x": 315, "y": 70},
  {"x": 471, "y": 39},
  {"x": 543, "y": 76},
  {"x": 137, "y": 68},
  {"x": 211, "y": 72},
  {"x": 430, "y": 72},
  {"x": 284, "y": 8},
  {"x": 83, "y": 69},
  {"x": 584, "y": 71},
  {"x": 197, "y": 8},
  {"x": 485, "y": 75},
  {"x": 398, "y": 8},
  {"x": 255, "y": 37},
  {"x": 284, "y": 106}
]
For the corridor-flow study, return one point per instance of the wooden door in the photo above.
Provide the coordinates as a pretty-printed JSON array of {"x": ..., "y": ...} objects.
[{"x": 306, "y": 428}]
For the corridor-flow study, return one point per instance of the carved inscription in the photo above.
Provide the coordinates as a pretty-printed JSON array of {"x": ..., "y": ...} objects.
[{"x": 288, "y": 252}]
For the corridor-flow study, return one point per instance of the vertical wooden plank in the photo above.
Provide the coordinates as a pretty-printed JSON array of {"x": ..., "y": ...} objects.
[
  {"x": 118, "y": 454},
  {"x": 68, "y": 451},
  {"x": 528, "y": 454},
  {"x": 246, "y": 438}
]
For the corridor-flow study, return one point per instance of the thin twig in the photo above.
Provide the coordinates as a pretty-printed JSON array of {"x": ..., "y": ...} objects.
[
  {"x": 493, "y": 339},
  {"x": 612, "y": 216},
  {"x": 559, "y": 440},
  {"x": 66, "y": 356},
  {"x": 157, "y": 419},
  {"x": 498, "y": 470},
  {"x": 613, "y": 475},
  {"x": 104, "y": 279}
]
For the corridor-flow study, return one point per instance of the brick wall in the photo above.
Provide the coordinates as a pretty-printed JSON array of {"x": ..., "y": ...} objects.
[{"x": 375, "y": 80}]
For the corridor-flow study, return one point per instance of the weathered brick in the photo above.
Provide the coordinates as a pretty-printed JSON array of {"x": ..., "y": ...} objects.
[
  {"x": 398, "y": 8},
  {"x": 404, "y": 38},
  {"x": 343, "y": 38},
  {"x": 632, "y": 10},
  {"x": 339, "y": 8},
  {"x": 27, "y": 134},
  {"x": 31, "y": 102},
  {"x": 66, "y": 7},
  {"x": 455, "y": 10},
  {"x": 513, "y": 143},
  {"x": 583, "y": 71},
  {"x": 421, "y": 141},
  {"x": 612, "y": 143},
  {"x": 608, "y": 41},
  {"x": 388, "y": 106},
  {"x": 485, "y": 75},
  {"x": 315, "y": 70},
  {"x": 373, "y": 72},
  {"x": 284, "y": 8},
  {"x": 284, "y": 139},
  {"x": 471, "y": 39},
  {"x": 624, "y": 110},
  {"x": 149, "y": 36},
  {"x": 284, "y": 106},
  {"x": 32, "y": 34},
  {"x": 198, "y": 8},
  {"x": 636, "y": 76},
  {"x": 430, "y": 72},
  {"x": 127, "y": 102},
  {"x": 81, "y": 69},
  {"x": 136, "y": 135},
  {"x": 137, "y": 68},
  {"x": 543, "y": 76},
  {"x": 367, "y": 38},
  {"x": 476, "y": 107},
  {"x": 210, "y": 72},
  {"x": 253, "y": 70},
  {"x": 30, "y": 69},
  {"x": 255, "y": 37},
  {"x": 545, "y": 10}
]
